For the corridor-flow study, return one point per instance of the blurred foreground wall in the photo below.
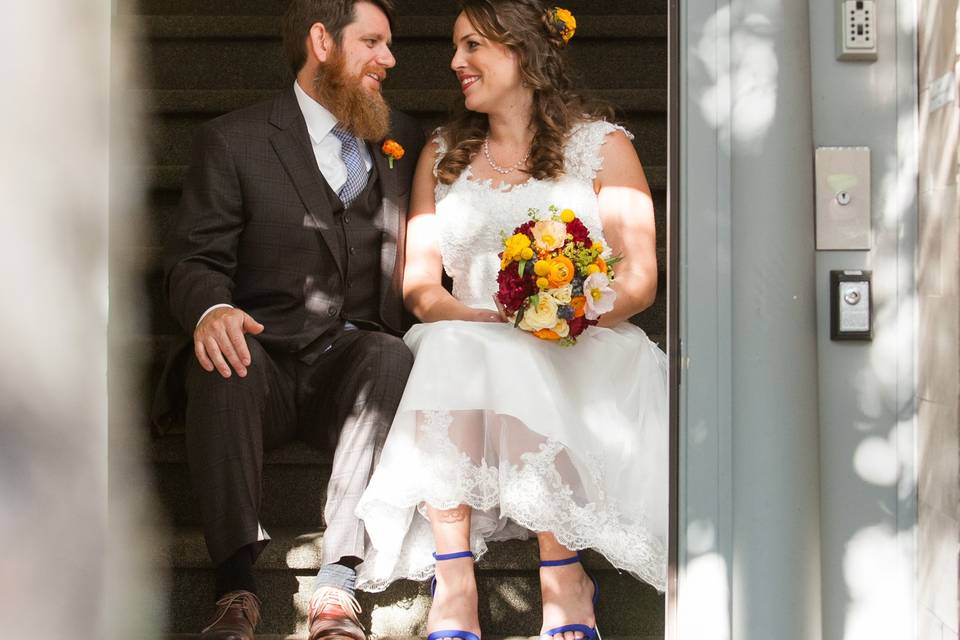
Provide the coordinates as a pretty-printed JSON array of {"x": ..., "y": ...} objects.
[{"x": 68, "y": 567}]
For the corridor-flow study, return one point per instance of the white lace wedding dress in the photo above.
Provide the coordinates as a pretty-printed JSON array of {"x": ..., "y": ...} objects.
[{"x": 532, "y": 435}]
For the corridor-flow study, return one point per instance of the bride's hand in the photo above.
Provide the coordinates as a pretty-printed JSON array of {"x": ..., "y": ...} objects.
[{"x": 484, "y": 315}]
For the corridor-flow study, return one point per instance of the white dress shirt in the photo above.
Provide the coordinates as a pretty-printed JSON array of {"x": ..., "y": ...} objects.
[
  {"x": 326, "y": 146},
  {"x": 326, "y": 149}
]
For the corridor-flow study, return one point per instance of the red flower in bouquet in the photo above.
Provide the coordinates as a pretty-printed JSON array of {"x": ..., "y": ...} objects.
[
  {"x": 578, "y": 232},
  {"x": 514, "y": 289}
]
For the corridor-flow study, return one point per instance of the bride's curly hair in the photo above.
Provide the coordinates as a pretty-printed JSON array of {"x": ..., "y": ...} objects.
[{"x": 529, "y": 30}]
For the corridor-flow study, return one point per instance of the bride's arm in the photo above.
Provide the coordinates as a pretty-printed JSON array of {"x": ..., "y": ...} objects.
[
  {"x": 626, "y": 211},
  {"x": 423, "y": 292}
]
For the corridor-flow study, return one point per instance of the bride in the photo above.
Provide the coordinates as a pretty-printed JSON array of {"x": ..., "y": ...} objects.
[{"x": 499, "y": 434}]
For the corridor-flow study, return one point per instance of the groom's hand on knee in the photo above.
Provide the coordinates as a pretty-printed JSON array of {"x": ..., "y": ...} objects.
[{"x": 219, "y": 343}]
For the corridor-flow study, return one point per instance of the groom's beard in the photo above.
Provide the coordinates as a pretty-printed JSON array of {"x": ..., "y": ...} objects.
[{"x": 365, "y": 114}]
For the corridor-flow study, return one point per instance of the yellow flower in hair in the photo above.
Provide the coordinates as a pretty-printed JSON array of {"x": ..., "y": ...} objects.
[{"x": 569, "y": 23}]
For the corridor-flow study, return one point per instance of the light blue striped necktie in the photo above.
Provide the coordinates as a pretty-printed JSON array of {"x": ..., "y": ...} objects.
[{"x": 356, "y": 171}]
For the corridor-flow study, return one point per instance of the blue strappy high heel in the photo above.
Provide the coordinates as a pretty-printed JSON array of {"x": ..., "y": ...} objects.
[
  {"x": 450, "y": 633},
  {"x": 589, "y": 633}
]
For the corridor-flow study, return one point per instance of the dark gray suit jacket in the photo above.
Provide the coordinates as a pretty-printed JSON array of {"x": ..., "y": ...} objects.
[{"x": 256, "y": 230}]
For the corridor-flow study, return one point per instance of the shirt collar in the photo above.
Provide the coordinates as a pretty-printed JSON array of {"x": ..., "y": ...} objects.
[{"x": 319, "y": 120}]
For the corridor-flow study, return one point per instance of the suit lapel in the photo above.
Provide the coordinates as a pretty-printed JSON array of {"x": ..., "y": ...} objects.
[
  {"x": 292, "y": 145},
  {"x": 390, "y": 224}
]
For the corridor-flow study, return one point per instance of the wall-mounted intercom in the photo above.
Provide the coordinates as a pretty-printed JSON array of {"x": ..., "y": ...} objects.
[{"x": 851, "y": 305}]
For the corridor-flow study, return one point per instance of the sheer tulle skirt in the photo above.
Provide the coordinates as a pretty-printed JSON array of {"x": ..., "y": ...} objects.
[{"x": 534, "y": 437}]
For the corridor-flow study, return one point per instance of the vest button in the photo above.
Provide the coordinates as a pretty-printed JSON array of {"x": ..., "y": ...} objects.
[
  {"x": 353, "y": 251},
  {"x": 332, "y": 311},
  {"x": 346, "y": 219}
]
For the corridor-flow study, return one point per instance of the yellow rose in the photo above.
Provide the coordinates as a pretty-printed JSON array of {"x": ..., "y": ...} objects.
[
  {"x": 562, "y": 329},
  {"x": 543, "y": 315},
  {"x": 563, "y": 295}
]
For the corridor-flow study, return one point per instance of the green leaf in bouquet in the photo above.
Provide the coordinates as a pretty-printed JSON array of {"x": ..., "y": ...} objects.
[
  {"x": 522, "y": 267},
  {"x": 517, "y": 318}
]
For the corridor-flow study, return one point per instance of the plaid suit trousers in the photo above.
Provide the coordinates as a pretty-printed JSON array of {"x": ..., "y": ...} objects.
[{"x": 345, "y": 398}]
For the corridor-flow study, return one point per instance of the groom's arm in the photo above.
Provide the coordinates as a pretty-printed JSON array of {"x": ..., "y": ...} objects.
[{"x": 201, "y": 256}]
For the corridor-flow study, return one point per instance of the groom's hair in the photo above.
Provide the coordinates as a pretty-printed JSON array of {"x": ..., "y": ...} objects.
[{"x": 335, "y": 15}]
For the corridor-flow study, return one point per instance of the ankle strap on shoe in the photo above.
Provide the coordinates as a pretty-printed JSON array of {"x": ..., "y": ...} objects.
[
  {"x": 560, "y": 563},
  {"x": 453, "y": 556}
]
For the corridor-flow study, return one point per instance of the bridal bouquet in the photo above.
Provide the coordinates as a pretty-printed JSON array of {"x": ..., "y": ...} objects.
[{"x": 553, "y": 280}]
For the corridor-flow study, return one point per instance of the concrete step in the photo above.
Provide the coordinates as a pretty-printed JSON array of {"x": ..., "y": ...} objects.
[
  {"x": 238, "y": 63},
  {"x": 164, "y": 196},
  {"x": 294, "y": 479},
  {"x": 408, "y": 27},
  {"x": 404, "y": 7},
  {"x": 507, "y": 578},
  {"x": 170, "y": 178},
  {"x": 272, "y": 636},
  {"x": 158, "y": 219},
  {"x": 171, "y": 130},
  {"x": 212, "y": 102}
]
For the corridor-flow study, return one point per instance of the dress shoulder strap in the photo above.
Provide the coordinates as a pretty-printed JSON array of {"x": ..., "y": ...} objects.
[
  {"x": 440, "y": 140},
  {"x": 582, "y": 158},
  {"x": 438, "y": 137}
]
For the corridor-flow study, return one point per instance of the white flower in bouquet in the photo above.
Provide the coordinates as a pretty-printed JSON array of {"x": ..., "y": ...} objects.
[
  {"x": 542, "y": 315},
  {"x": 599, "y": 294}
]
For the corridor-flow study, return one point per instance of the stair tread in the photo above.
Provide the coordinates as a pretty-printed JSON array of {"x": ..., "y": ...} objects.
[
  {"x": 408, "y": 7},
  {"x": 407, "y": 26},
  {"x": 167, "y": 101},
  {"x": 274, "y": 636},
  {"x": 169, "y": 177},
  {"x": 293, "y": 549},
  {"x": 508, "y": 604}
]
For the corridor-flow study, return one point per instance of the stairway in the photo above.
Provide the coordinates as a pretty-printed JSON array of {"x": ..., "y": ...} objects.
[{"x": 202, "y": 58}]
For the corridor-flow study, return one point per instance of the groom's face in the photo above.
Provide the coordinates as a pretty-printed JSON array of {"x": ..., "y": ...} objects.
[
  {"x": 364, "y": 50},
  {"x": 348, "y": 82}
]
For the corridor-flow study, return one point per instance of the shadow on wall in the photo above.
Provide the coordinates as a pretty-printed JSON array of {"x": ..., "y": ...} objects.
[
  {"x": 739, "y": 101},
  {"x": 69, "y": 568}
]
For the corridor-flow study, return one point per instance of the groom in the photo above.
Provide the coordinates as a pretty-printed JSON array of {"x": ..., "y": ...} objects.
[{"x": 285, "y": 265}]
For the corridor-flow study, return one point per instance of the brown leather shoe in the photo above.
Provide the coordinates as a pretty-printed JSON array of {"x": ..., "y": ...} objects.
[
  {"x": 334, "y": 616},
  {"x": 238, "y": 613}
]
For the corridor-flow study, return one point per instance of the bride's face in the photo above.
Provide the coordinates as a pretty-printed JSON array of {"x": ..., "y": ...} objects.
[{"x": 488, "y": 72}]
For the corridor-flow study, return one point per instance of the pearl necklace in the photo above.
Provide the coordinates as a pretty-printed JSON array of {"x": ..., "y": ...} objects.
[{"x": 493, "y": 165}]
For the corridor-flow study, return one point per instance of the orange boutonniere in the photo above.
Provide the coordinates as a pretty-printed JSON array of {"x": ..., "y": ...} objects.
[{"x": 392, "y": 149}]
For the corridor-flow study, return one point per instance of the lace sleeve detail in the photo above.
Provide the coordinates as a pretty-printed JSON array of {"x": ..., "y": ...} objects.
[{"x": 582, "y": 153}]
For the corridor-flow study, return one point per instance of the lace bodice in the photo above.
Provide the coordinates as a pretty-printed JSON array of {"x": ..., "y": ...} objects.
[{"x": 471, "y": 214}]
